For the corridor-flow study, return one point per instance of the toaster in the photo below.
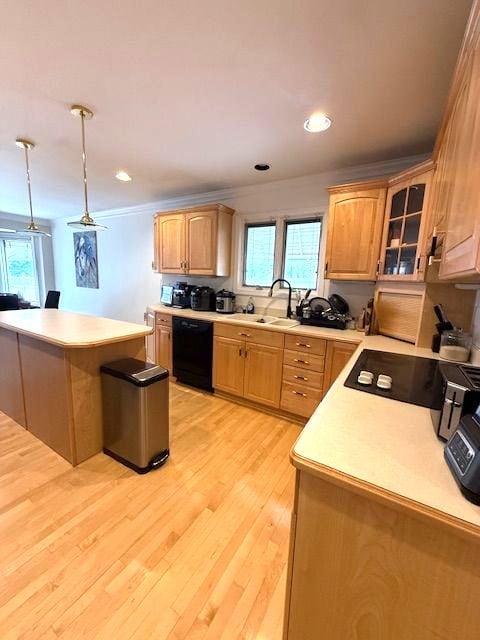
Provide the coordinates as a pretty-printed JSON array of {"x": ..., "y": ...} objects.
[{"x": 462, "y": 453}]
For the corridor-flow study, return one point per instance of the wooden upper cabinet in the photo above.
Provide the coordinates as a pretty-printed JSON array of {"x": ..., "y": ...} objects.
[
  {"x": 404, "y": 248},
  {"x": 355, "y": 222},
  {"x": 194, "y": 241},
  {"x": 201, "y": 238},
  {"x": 455, "y": 209},
  {"x": 171, "y": 243}
]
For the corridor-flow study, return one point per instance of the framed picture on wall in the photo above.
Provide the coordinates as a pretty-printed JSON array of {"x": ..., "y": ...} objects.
[{"x": 86, "y": 263}]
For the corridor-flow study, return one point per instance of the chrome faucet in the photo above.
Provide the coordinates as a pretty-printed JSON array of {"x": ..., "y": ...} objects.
[{"x": 289, "y": 306}]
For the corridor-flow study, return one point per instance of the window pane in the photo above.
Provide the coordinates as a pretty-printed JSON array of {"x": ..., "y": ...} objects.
[
  {"x": 259, "y": 255},
  {"x": 20, "y": 273},
  {"x": 302, "y": 245}
]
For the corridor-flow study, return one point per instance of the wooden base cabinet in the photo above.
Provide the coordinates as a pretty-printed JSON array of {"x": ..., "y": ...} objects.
[
  {"x": 159, "y": 343},
  {"x": 361, "y": 569},
  {"x": 338, "y": 354},
  {"x": 247, "y": 364},
  {"x": 228, "y": 365}
]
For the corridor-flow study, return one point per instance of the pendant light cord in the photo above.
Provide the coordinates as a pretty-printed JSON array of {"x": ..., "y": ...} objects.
[
  {"x": 27, "y": 165},
  {"x": 84, "y": 159}
]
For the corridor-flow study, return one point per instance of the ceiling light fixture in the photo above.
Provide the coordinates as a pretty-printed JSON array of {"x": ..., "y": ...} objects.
[
  {"x": 317, "y": 122},
  {"x": 123, "y": 176},
  {"x": 86, "y": 221},
  {"x": 262, "y": 167},
  {"x": 26, "y": 145}
]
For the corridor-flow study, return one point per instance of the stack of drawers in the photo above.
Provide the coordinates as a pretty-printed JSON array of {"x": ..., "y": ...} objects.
[{"x": 303, "y": 371}]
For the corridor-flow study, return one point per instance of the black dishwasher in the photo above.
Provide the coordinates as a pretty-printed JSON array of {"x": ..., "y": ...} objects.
[{"x": 192, "y": 352}]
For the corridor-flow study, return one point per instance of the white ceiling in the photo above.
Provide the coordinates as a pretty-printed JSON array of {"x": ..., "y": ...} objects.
[{"x": 188, "y": 95}]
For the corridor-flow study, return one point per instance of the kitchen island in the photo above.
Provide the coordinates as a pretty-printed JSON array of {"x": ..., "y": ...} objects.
[
  {"x": 383, "y": 545},
  {"x": 50, "y": 374}
]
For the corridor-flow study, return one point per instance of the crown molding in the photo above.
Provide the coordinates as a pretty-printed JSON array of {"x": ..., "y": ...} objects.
[{"x": 371, "y": 170}]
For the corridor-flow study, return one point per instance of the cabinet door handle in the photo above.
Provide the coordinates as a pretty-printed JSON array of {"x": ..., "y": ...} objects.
[
  {"x": 326, "y": 269},
  {"x": 302, "y": 361},
  {"x": 240, "y": 352},
  {"x": 301, "y": 378},
  {"x": 303, "y": 344},
  {"x": 298, "y": 393}
]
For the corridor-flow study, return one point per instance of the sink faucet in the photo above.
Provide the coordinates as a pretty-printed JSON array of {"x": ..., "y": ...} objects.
[{"x": 289, "y": 306}]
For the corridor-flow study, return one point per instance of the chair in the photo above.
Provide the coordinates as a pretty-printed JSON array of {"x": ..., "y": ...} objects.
[
  {"x": 8, "y": 301},
  {"x": 52, "y": 300}
]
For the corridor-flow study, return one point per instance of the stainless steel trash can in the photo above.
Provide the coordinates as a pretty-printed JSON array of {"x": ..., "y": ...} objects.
[{"x": 135, "y": 413}]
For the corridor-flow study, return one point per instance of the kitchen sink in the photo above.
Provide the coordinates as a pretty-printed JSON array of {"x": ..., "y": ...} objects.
[
  {"x": 284, "y": 323},
  {"x": 252, "y": 317},
  {"x": 256, "y": 318}
]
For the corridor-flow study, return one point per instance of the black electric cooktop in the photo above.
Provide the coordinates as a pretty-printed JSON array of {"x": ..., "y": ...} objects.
[{"x": 414, "y": 380}]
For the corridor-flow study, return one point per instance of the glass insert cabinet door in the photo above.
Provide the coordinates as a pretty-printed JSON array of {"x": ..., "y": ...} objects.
[{"x": 402, "y": 235}]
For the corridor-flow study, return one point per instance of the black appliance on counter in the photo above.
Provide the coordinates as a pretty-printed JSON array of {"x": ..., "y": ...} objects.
[
  {"x": 202, "y": 299},
  {"x": 225, "y": 301},
  {"x": 414, "y": 379},
  {"x": 462, "y": 453},
  {"x": 460, "y": 395},
  {"x": 323, "y": 312},
  {"x": 181, "y": 295},
  {"x": 192, "y": 352}
]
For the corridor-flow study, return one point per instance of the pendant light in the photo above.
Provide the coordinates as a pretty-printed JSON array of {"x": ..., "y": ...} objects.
[
  {"x": 86, "y": 221},
  {"x": 26, "y": 145}
]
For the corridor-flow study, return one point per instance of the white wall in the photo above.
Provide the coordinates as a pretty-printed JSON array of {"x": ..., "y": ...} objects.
[{"x": 126, "y": 282}]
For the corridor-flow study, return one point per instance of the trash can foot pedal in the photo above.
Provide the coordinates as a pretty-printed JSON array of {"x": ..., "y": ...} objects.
[{"x": 157, "y": 461}]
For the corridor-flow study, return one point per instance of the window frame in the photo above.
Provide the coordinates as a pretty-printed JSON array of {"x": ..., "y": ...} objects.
[
  {"x": 35, "y": 255},
  {"x": 293, "y": 221},
  {"x": 278, "y": 218},
  {"x": 253, "y": 225}
]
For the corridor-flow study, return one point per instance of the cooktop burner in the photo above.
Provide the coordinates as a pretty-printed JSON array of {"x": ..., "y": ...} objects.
[{"x": 414, "y": 379}]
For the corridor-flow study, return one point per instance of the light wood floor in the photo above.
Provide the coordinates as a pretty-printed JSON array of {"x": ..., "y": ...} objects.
[{"x": 194, "y": 550}]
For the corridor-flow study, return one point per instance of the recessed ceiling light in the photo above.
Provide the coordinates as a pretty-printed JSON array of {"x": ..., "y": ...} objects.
[
  {"x": 262, "y": 167},
  {"x": 123, "y": 176},
  {"x": 317, "y": 122}
]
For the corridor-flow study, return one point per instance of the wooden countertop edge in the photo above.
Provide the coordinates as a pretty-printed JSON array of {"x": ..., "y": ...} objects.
[
  {"x": 77, "y": 345},
  {"x": 384, "y": 496}
]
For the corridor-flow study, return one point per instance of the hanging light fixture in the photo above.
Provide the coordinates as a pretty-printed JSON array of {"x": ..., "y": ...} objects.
[
  {"x": 86, "y": 221},
  {"x": 26, "y": 145}
]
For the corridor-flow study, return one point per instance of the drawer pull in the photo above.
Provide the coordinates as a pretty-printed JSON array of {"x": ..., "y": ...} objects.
[
  {"x": 302, "y": 361},
  {"x": 298, "y": 393},
  {"x": 246, "y": 335},
  {"x": 301, "y": 378},
  {"x": 303, "y": 344}
]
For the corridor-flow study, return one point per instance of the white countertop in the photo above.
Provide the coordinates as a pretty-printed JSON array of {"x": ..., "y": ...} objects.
[
  {"x": 346, "y": 335},
  {"x": 385, "y": 443},
  {"x": 70, "y": 330}
]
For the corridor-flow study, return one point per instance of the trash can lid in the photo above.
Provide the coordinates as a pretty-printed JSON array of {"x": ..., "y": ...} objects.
[{"x": 138, "y": 372}]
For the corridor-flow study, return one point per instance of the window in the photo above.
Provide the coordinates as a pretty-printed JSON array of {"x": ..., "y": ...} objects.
[
  {"x": 259, "y": 258},
  {"x": 17, "y": 268},
  {"x": 285, "y": 248},
  {"x": 300, "y": 257}
]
